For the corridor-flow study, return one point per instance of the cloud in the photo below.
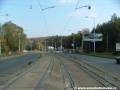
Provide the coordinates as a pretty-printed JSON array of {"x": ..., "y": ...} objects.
[{"x": 66, "y": 1}]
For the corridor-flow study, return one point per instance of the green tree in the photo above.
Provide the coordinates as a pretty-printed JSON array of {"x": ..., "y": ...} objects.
[
  {"x": 4, "y": 46},
  {"x": 12, "y": 34},
  {"x": 112, "y": 29}
]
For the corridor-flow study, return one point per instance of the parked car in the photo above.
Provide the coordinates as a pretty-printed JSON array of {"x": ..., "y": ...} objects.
[{"x": 118, "y": 59}]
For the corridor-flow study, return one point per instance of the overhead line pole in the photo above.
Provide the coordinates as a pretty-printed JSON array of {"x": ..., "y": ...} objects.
[
  {"x": 43, "y": 17},
  {"x": 68, "y": 22},
  {"x": 89, "y": 7}
]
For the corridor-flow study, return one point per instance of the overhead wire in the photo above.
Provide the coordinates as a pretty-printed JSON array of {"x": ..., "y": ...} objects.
[
  {"x": 43, "y": 17},
  {"x": 57, "y": 6},
  {"x": 70, "y": 17}
]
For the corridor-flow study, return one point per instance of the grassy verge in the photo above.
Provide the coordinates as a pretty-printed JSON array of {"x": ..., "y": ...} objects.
[
  {"x": 105, "y": 55},
  {"x": 11, "y": 54}
]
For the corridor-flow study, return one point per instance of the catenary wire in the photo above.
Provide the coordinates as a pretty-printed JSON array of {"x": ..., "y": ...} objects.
[
  {"x": 70, "y": 17},
  {"x": 43, "y": 17}
]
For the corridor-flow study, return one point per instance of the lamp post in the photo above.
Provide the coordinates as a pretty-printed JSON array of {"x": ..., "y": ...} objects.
[
  {"x": 94, "y": 31},
  {"x": 73, "y": 42}
]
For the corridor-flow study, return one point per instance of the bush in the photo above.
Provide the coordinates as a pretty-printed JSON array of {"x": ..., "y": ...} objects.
[
  {"x": 29, "y": 63},
  {"x": 116, "y": 53}
]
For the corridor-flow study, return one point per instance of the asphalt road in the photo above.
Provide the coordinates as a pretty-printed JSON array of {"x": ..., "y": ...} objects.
[
  {"x": 13, "y": 63},
  {"x": 108, "y": 65}
]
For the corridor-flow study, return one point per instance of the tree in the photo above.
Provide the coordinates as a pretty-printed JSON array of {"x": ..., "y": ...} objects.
[
  {"x": 112, "y": 29},
  {"x": 85, "y": 31},
  {"x": 4, "y": 46},
  {"x": 12, "y": 34}
]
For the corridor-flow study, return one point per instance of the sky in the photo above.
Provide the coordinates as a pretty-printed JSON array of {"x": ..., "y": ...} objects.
[{"x": 63, "y": 19}]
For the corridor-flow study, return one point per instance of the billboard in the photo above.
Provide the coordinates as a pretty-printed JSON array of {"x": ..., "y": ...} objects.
[
  {"x": 90, "y": 37},
  {"x": 117, "y": 46}
]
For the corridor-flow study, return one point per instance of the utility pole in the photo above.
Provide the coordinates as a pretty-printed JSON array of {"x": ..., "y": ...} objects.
[
  {"x": 19, "y": 42},
  {"x": 45, "y": 45},
  {"x": 55, "y": 46},
  {"x": 61, "y": 43},
  {"x": 94, "y": 31},
  {"x": 73, "y": 43},
  {"x": 39, "y": 46},
  {"x": 52, "y": 41}
]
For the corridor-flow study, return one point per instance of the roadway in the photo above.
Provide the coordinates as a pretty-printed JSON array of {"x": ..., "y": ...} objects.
[{"x": 9, "y": 64}]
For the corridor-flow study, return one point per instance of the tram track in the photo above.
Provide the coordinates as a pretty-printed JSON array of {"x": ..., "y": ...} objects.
[
  {"x": 102, "y": 77},
  {"x": 33, "y": 72},
  {"x": 20, "y": 76},
  {"x": 44, "y": 75},
  {"x": 103, "y": 84},
  {"x": 58, "y": 72},
  {"x": 68, "y": 74}
]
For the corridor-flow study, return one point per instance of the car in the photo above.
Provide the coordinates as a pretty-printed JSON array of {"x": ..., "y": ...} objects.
[{"x": 118, "y": 59}]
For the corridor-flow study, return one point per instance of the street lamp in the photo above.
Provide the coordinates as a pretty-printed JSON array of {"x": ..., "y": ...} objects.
[{"x": 94, "y": 31}]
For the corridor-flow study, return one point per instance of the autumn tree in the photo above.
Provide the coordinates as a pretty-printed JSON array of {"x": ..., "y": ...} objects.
[{"x": 12, "y": 34}]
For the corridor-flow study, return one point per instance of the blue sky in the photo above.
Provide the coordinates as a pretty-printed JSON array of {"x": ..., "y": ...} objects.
[{"x": 56, "y": 18}]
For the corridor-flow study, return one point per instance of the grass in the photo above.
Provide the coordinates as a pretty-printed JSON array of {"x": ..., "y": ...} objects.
[
  {"x": 105, "y": 55},
  {"x": 7, "y": 54},
  {"x": 29, "y": 63}
]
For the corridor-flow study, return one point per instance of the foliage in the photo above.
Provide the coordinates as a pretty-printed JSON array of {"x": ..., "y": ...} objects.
[
  {"x": 12, "y": 34},
  {"x": 4, "y": 46},
  {"x": 110, "y": 29}
]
